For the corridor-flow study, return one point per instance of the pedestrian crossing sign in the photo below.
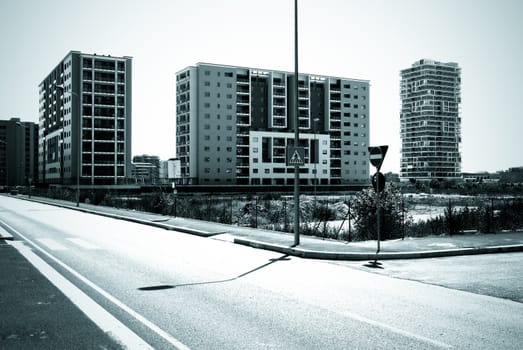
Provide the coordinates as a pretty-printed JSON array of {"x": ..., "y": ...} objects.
[{"x": 295, "y": 156}]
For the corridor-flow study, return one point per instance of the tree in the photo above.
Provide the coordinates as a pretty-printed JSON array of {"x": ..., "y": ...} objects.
[{"x": 364, "y": 208}]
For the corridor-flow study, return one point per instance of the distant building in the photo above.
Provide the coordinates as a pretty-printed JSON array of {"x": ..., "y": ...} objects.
[
  {"x": 430, "y": 121},
  {"x": 18, "y": 153},
  {"x": 145, "y": 173},
  {"x": 481, "y": 177},
  {"x": 147, "y": 164},
  {"x": 170, "y": 171},
  {"x": 85, "y": 120},
  {"x": 234, "y": 125}
]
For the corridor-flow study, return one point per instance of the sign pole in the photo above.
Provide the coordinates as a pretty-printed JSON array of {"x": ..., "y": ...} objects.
[
  {"x": 296, "y": 133},
  {"x": 376, "y": 156},
  {"x": 378, "y": 214}
]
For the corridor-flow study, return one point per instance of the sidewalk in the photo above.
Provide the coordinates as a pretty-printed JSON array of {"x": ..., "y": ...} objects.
[{"x": 313, "y": 247}]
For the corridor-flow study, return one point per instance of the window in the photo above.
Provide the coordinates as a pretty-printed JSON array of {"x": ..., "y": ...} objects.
[
  {"x": 207, "y": 83},
  {"x": 228, "y": 74},
  {"x": 255, "y": 171},
  {"x": 207, "y": 94},
  {"x": 267, "y": 171},
  {"x": 207, "y": 105},
  {"x": 255, "y": 150},
  {"x": 207, "y": 72}
]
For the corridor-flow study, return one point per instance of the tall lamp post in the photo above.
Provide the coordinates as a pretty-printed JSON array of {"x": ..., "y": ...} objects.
[
  {"x": 79, "y": 147},
  {"x": 296, "y": 133}
]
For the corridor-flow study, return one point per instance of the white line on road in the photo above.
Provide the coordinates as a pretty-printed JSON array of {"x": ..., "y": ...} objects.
[
  {"x": 51, "y": 244},
  {"x": 166, "y": 336},
  {"x": 107, "y": 322},
  {"x": 82, "y": 243}
]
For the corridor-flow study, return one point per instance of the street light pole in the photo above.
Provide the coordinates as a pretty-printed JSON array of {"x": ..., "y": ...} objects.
[
  {"x": 296, "y": 133},
  {"x": 78, "y": 144}
]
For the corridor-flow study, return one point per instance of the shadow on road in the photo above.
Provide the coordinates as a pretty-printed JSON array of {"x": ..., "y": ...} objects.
[{"x": 168, "y": 286}]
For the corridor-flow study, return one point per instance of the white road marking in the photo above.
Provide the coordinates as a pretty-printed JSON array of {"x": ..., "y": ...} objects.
[
  {"x": 166, "y": 336},
  {"x": 84, "y": 244},
  {"x": 399, "y": 331},
  {"x": 51, "y": 244},
  {"x": 107, "y": 322}
]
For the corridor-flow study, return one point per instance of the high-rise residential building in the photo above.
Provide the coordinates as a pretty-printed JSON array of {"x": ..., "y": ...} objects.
[
  {"x": 18, "y": 152},
  {"x": 234, "y": 125},
  {"x": 430, "y": 121},
  {"x": 85, "y": 121}
]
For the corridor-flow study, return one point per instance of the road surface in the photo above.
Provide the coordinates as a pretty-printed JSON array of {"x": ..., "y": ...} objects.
[{"x": 172, "y": 290}]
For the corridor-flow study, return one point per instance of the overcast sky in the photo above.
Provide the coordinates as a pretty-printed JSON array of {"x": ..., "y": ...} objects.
[{"x": 371, "y": 39}]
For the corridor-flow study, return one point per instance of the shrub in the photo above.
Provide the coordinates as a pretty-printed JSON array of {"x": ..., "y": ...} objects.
[{"x": 364, "y": 208}]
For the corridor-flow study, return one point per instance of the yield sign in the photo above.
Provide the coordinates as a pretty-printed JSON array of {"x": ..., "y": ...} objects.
[{"x": 377, "y": 154}]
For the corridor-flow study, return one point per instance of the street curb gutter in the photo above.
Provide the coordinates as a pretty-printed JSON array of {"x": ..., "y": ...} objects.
[{"x": 330, "y": 255}]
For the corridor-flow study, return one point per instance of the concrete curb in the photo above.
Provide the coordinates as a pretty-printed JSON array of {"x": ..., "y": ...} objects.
[
  {"x": 129, "y": 218},
  {"x": 297, "y": 251},
  {"x": 356, "y": 256}
]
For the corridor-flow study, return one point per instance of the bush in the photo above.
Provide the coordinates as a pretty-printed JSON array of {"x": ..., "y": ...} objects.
[{"x": 364, "y": 208}]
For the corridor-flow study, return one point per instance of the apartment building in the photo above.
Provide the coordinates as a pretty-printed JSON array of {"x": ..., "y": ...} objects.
[
  {"x": 235, "y": 124},
  {"x": 85, "y": 120},
  {"x": 430, "y": 121},
  {"x": 18, "y": 152}
]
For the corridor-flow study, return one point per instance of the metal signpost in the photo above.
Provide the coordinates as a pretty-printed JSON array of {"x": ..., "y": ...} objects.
[
  {"x": 376, "y": 156},
  {"x": 296, "y": 133}
]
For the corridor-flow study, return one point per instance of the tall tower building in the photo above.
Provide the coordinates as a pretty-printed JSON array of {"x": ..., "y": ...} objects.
[
  {"x": 430, "y": 121},
  {"x": 85, "y": 120},
  {"x": 234, "y": 125},
  {"x": 18, "y": 152}
]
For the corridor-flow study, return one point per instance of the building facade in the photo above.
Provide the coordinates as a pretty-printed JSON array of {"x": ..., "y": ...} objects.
[
  {"x": 234, "y": 125},
  {"x": 85, "y": 121},
  {"x": 430, "y": 121},
  {"x": 18, "y": 153},
  {"x": 146, "y": 168}
]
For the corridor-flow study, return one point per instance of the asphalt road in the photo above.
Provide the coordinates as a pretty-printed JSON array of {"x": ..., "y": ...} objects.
[
  {"x": 497, "y": 275},
  {"x": 176, "y": 290}
]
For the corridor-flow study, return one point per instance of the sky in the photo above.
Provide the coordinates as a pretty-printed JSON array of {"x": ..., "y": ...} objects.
[{"x": 364, "y": 39}]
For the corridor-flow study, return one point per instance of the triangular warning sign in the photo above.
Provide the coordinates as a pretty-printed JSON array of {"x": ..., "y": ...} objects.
[{"x": 295, "y": 159}]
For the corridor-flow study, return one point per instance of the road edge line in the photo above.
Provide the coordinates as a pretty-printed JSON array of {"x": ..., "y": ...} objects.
[
  {"x": 160, "y": 332},
  {"x": 94, "y": 311}
]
